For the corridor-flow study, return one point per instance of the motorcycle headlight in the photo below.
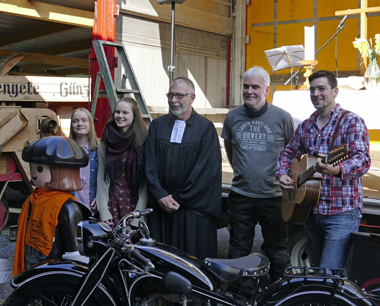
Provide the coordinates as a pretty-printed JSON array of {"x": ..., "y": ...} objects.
[
  {"x": 105, "y": 227},
  {"x": 80, "y": 238},
  {"x": 90, "y": 230}
]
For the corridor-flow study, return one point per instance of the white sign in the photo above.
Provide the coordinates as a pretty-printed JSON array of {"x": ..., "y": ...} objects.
[{"x": 43, "y": 89}]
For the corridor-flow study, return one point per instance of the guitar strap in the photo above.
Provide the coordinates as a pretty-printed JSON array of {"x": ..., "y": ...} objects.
[{"x": 336, "y": 129}]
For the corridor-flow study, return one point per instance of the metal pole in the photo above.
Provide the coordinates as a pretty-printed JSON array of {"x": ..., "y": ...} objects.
[{"x": 171, "y": 68}]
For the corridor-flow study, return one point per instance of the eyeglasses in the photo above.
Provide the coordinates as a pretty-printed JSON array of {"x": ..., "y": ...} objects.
[{"x": 178, "y": 96}]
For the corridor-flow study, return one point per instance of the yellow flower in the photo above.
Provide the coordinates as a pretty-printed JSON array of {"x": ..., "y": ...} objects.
[
  {"x": 368, "y": 49},
  {"x": 362, "y": 45},
  {"x": 377, "y": 43}
]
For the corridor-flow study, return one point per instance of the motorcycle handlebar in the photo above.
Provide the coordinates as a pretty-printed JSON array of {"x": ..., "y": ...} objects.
[
  {"x": 135, "y": 214},
  {"x": 138, "y": 214},
  {"x": 141, "y": 258}
]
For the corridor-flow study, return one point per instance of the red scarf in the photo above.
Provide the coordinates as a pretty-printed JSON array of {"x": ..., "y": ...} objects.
[{"x": 116, "y": 146}]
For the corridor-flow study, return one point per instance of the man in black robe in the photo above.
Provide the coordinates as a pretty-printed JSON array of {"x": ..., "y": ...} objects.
[{"x": 183, "y": 170}]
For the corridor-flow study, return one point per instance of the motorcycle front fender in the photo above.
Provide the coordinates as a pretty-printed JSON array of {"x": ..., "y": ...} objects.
[
  {"x": 284, "y": 289},
  {"x": 60, "y": 272},
  {"x": 49, "y": 267}
]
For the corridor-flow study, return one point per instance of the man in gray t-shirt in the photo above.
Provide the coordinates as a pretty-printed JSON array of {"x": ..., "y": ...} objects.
[{"x": 254, "y": 135}]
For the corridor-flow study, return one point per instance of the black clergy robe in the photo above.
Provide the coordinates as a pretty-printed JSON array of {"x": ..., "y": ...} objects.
[{"x": 191, "y": 172}]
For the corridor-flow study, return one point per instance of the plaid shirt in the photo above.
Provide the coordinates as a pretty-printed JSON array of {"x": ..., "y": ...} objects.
[{"x": 338, "y": 194}]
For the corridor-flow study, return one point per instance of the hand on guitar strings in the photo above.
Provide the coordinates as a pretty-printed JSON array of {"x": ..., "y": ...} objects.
[
  {"x": 287, "y": 184},
  {"x": 323, "y": 168}
]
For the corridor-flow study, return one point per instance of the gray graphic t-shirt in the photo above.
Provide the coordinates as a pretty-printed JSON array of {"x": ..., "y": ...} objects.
[{"x": 256, "y": 144}]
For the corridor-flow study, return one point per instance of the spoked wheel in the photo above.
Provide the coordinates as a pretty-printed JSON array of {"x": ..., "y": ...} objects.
[
  {"x": 48, "y": 295},
  {"x": 316, "y": 298}
]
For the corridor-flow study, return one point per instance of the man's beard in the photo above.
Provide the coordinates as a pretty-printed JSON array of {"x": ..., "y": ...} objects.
[{"x": 179, "y": 111}]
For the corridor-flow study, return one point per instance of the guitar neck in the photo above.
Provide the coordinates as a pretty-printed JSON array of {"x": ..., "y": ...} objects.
[
  {"x": 303, "y": 177},
  {"x": 334, "y": 156}
]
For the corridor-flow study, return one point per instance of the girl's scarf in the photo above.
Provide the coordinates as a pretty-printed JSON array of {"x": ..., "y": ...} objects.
[
  {"x": 116, "y": 146},
  {"x": 254, "y": 114}
]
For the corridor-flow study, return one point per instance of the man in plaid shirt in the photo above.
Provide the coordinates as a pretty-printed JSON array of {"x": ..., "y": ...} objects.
[{"x": 338, "y": 211}]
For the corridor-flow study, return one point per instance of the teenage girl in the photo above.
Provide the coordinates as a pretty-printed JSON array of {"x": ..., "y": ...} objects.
[
  {"x": 82, "y": 130},
  {"x": 121, "y": 175}
]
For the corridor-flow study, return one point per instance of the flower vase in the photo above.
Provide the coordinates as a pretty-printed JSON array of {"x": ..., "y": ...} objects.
[{"x": 372, "y": 77}]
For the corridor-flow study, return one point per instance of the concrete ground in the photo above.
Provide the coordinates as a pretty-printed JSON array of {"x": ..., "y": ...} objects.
[
  {"x": 6, "y": 264},
  {"x": 7, "y": 249}
]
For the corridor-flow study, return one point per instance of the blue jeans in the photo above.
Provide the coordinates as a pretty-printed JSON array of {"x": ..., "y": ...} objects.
[{"x": 330, "y": 237}]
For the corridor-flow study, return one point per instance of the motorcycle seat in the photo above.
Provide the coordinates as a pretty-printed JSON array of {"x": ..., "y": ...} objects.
[{"x": 230, "y": 270}]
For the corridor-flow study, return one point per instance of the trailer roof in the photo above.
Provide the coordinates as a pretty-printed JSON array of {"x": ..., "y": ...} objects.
[{"x": 29, "y": 27}]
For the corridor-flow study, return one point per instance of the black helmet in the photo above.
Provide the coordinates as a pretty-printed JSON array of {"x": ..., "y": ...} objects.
[{"x": 55, "y": 151}]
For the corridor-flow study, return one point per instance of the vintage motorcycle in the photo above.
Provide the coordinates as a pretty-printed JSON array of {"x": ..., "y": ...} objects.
[{"x": 121, "y": 272}]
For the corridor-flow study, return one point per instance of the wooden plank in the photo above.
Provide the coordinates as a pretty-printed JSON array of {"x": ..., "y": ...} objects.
[
  {"x": 34, "y": 33},
  {"x": 8, "y": 62},
  {"x": 238, "y": 55},
  {"x": 11, "y": 125},
  {"x": 74, "y": 46},
  {"x": 282, "y": 78},
  {"x": 26, "y": 74},
  {"x": 224, "y": 2},
  {"x": 186, "y": 14},
  {"x": 3, "y": 163},
  {"x": 363, "y": 34},
  {"x": 49, "y": 59},
  {"x": 53, "y": 73},
  {"x": 48, "y": 12},
  {"x": 36, "y": 67},
  {"x": 46, "y": 69},
  {"x": 358, "y": 11},
  {"x": 41, "y": 80},
  {"x": 24, "y": 169},
  {"x": 73, "y": 71}
]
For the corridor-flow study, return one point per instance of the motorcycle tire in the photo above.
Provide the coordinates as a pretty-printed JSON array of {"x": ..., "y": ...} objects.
[
  {"x": 317, "y": 298},
  {"x": 48, "y": 294}
]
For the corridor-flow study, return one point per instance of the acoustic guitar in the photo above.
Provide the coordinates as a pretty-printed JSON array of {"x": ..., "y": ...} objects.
[{"x": 296, "y": 205}]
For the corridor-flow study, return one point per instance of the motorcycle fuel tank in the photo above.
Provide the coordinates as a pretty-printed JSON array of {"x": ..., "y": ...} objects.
[{"x": 167, "y": 258}]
